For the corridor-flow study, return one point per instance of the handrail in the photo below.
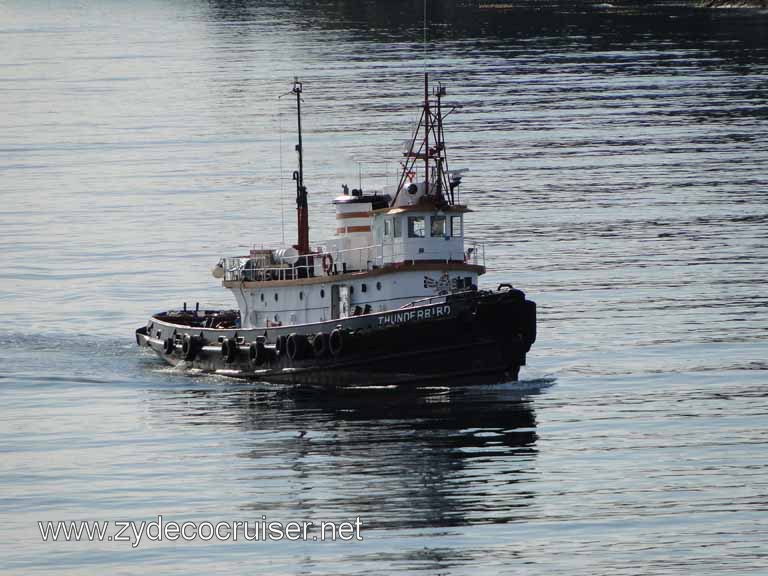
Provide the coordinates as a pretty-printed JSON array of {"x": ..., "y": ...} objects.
[
  {"x": 236, "y": 268},
  {"x": 413, "y": 303},
  {"x": 429, "y": 299}
]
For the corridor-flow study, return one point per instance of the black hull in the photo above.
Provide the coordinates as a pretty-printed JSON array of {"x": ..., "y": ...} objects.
[{"x": 469, "y": 338}]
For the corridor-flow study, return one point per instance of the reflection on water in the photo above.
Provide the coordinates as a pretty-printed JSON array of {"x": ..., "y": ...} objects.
[{"x": 398, "y": 459}]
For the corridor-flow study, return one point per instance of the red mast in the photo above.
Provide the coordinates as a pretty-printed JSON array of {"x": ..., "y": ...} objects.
[{"x": 302, "y": 209}]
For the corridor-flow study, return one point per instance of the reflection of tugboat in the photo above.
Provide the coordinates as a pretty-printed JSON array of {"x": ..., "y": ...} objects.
[{"x": 393, "y": 298}]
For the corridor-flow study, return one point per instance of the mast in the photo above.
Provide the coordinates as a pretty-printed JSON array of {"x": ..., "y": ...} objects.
[
  {"x": 432, "y": 153},
  {"x": 441, "y": 161},
  {"x": 426, "y": 132},
  {"x": 302, "y": 209}
]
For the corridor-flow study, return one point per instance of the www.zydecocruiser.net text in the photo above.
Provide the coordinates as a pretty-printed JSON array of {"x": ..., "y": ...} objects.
[{"x": 162, "y": 530}]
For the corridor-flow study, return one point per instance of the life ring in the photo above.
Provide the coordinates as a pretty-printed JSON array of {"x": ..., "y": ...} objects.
[
  {"x": 189, "y": 347},
  {"x": 336, "y": 342},
  {"x": 320, "y": 344},
  {"x": 229, "y": 350},
  {"x": 327, "y": 264}
]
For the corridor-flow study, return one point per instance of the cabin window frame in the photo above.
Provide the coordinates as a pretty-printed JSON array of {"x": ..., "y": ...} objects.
[
  {"x": 454, "y": 220},
  {"x": 412, "y": 231},
  {"x": 432, "y": 220},
  {"x": 397, "y": 227},
  {"x": 386, "y": 227}
]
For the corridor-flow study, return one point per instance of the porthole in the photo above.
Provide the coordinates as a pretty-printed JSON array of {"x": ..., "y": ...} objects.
[
  {"x": 351, "y": 290},
  {"x": 322, "y": 293},
  {"x": 364, "y": 287},
  {"x": 378, "y": 285},
  {"x": 301, "y": 295},
  {"x": 275, "y": 296},
  {"x": 262, "y": 296}
]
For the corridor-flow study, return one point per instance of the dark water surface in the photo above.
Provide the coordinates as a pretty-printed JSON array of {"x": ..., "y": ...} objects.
[{"x": 619, "y": 172}]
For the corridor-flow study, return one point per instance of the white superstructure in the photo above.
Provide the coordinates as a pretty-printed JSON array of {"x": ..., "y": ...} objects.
[{"x": 389, "y": 249}]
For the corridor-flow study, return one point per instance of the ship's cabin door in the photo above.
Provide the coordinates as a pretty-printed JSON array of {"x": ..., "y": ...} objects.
[{"x": 340, "y": 301}]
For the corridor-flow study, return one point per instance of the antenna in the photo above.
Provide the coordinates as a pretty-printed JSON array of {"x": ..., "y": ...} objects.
[
  {"x": 431, "y": 147},
  {"x": 425, "y": 36},
  {"x": 282, "y": 210}
]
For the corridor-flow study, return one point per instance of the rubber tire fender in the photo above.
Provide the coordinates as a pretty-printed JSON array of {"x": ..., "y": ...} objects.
[
  {"x": 336, "y": 342},
  {"x": 257, "y": 353},
  {"x": 529, "y": 322},
  {"x": 189, "y": 347},
  {"x": 320, "y": 344},
  {"x": 229, "y": 349},
  {"x": 295, "y": 346},
  {"x": 280, "y": 344}
]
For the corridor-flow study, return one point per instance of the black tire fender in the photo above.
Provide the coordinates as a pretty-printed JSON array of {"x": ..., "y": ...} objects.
[
  {"x": 336, "y": 342},
  {"x": 280, "y": 344},
  {"x": 189, "y": 347},
  {"x": 295, "y": 346},
  {"x": 529, "y": 320},
  {"x": 257, "y": 353},
  {"x": 229, "y": 350},
  {"x": 320, "y": 344}
]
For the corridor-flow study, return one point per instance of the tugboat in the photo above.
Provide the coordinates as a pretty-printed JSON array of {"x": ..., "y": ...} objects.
[{"x": 392, "y": 299}]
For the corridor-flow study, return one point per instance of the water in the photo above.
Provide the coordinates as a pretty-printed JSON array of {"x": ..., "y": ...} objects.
[{"x": 618, "y": 171}]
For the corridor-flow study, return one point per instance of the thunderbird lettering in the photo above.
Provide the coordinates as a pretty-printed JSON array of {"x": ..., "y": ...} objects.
[{"x": 415, "y": 315}]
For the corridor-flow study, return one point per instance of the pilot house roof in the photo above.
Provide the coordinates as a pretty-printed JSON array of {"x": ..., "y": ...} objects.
[{"x": 378, "y": 201}]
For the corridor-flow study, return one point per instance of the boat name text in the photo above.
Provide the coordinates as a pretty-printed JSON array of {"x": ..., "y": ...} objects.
[{"x": 415, "y": 315}]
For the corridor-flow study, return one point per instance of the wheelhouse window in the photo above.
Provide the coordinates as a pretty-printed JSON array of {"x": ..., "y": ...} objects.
[
  {"x": 416, "y": 227},
  {"x": 397, "y": 227},
  {"x": 438, "y": 226},
  {"x": 386, "y": 227},
  {"x": 455, "y": 226}
]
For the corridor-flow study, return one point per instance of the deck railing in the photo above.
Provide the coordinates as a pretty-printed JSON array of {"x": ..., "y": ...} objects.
[{"x": 331, "y": 262}]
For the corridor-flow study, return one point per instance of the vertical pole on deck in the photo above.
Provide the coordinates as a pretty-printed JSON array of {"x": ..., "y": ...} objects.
[
  {"x": 427, "y": 120},
  {"x": 302, "y": 209}
]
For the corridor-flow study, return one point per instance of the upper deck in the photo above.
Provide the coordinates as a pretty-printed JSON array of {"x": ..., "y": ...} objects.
[{"x": 336, "y": 264}]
